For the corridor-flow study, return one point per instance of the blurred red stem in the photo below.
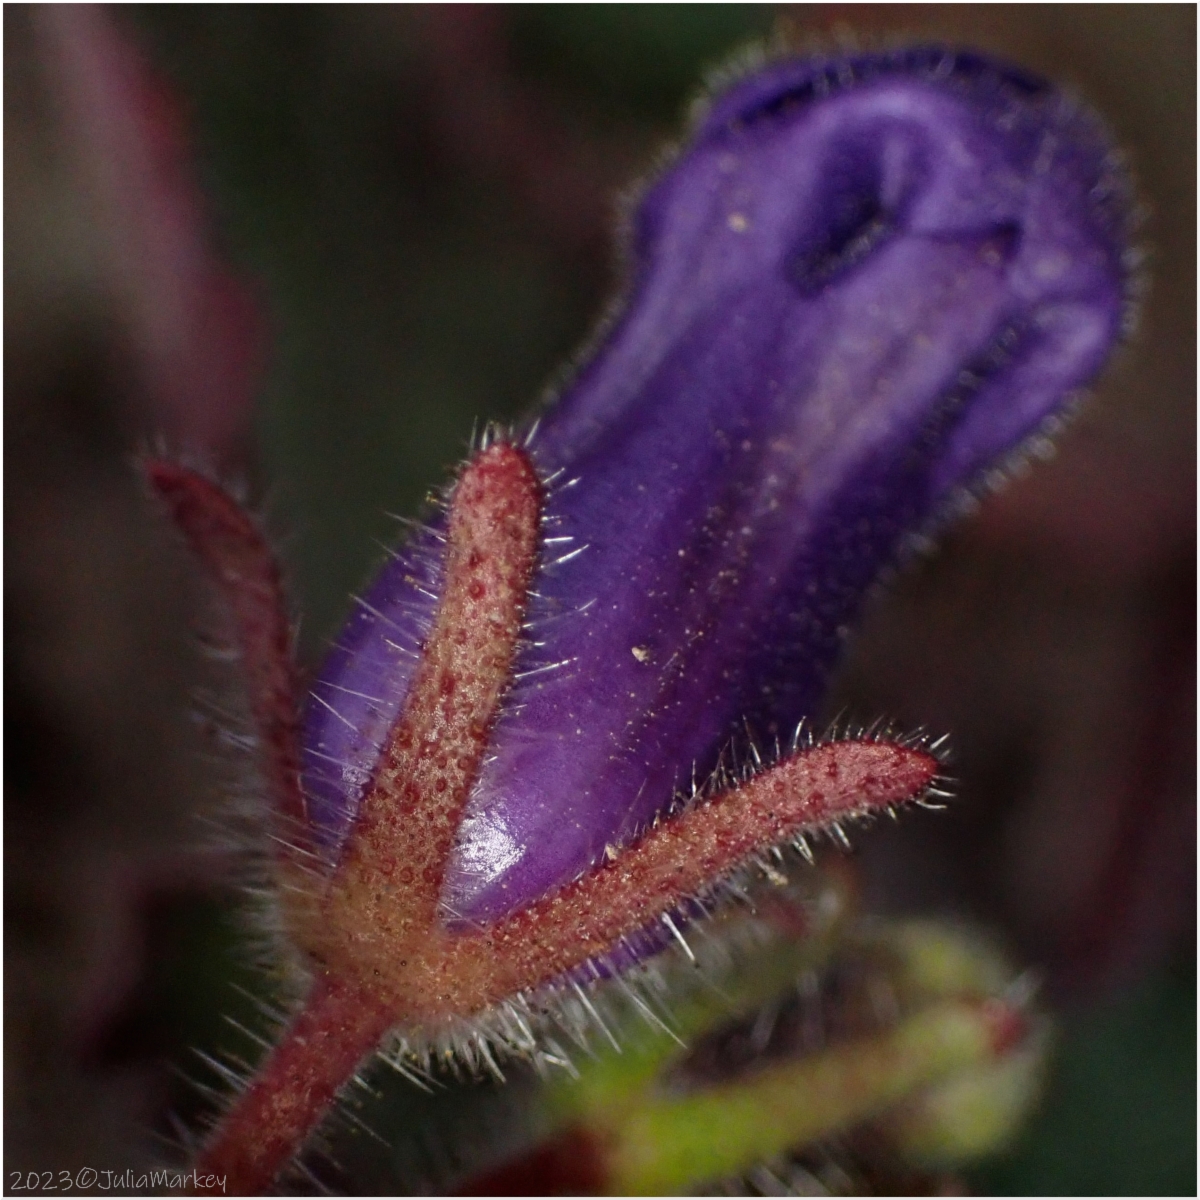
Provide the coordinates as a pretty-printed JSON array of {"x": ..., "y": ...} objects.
[{"x": 239, "y": 561}]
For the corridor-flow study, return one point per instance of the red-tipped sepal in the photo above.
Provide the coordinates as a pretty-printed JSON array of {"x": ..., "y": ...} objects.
[{"x": 682, "y": 858}]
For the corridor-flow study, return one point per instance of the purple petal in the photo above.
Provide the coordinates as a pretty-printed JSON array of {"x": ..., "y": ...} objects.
[{"x": 861, "y": 283}]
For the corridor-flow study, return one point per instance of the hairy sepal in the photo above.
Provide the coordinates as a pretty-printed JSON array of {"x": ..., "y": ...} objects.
[
  {"x": 379, "y": 916},
  {"x": 237, "y": 559},
  {"x": 682, "y": 857}
]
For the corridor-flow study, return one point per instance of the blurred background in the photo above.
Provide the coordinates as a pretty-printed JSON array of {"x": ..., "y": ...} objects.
[{"x": 314, "y": 245}]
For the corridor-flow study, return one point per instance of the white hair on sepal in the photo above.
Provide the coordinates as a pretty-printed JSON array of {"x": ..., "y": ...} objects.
[
  {"x": 240, "y": 825},
  {"x": 489, "y": 433},
  {"x": 593, "y": 1004},
  {"x": 592, "y": 1009},
  {"x": 527, "y": 440}
]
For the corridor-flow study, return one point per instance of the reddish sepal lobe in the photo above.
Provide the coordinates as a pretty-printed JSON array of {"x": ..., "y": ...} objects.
[
  {"x": 384, "y": 897},
  {"x": 683, "y": 856},
  {"x": 227, "y": 542},
  {"x": 1009, "y": 1026}
]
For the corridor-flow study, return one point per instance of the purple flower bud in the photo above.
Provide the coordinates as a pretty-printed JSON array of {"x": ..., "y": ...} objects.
[{"x": 861, "y": 283}]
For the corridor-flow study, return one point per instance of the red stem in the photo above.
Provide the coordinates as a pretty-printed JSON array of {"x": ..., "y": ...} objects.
[{"x": 338, "y": 1027}]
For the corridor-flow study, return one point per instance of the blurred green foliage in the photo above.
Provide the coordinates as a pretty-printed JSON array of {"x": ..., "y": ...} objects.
[
  {"x": 1120, "y": 1115},
  {"x": 635, "y": 64}
]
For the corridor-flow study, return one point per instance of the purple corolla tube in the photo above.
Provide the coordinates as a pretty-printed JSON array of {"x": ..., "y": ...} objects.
[{"x": 861, "y": 283}]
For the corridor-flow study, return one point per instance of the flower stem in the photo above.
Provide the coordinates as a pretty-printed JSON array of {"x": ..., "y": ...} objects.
[{"x": 338, "y": 1027}]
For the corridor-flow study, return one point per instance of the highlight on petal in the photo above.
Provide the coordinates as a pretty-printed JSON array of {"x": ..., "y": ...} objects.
[{"x": 862, "y": 284}]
